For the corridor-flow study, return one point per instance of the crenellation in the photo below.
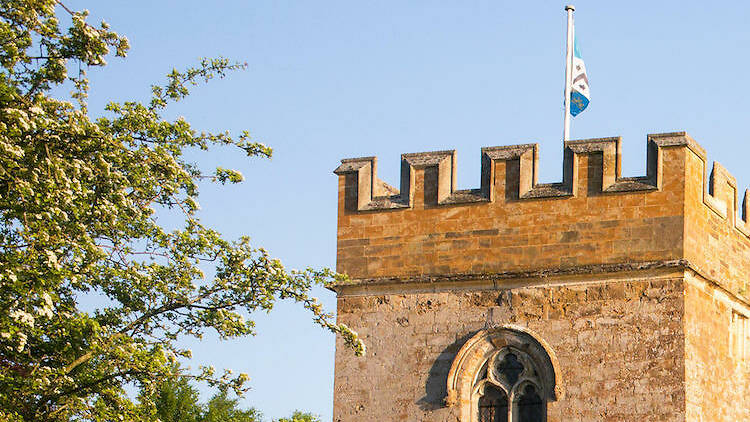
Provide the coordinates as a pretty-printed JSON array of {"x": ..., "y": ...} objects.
[
  {"x": 435, "y": 174},
  {"x": 741, "y": 223},
  {"x": 722, "y": 189},
  {"x": 363, "y": 190},
  {"x": 593, "y": 217}
]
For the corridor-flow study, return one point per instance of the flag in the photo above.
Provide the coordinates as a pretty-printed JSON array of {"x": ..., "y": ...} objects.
[{"x": 579, "y": 93}]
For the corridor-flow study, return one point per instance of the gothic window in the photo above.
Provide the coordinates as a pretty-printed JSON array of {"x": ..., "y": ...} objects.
[
  {"x": 510, "y": 389},
  {"x": 503, "y": 374}
]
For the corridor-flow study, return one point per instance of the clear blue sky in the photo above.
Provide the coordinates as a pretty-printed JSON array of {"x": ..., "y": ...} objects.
[{"x": 328, "y": 80}]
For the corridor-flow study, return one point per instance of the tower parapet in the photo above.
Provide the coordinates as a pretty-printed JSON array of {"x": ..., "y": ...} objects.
[{"x": 593, "y": 219}]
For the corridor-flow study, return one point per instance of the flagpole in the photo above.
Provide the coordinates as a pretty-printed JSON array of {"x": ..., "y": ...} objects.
[{"x": 568, "y": 70}]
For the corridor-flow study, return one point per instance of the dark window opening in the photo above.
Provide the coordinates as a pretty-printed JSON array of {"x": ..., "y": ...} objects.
[
  {"x": 530, "y": 406},
  {"x": 493, "y": 405}
]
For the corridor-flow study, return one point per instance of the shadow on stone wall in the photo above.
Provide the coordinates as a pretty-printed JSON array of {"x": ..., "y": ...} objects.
[{"x": 437, "y": 380}]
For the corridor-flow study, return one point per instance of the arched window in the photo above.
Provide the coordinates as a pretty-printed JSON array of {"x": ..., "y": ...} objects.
[
  {"x": 505, "y": 374},
  {"x": 509, "y": 389}
]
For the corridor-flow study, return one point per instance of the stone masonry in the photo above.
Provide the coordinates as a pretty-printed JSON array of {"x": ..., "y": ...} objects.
[{"x": 637, "y": 287}]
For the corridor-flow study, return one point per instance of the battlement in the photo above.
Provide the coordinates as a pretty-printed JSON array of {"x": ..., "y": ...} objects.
[
  {"x": 439, "y": 174},
  {"x": 511, "y": 223}
]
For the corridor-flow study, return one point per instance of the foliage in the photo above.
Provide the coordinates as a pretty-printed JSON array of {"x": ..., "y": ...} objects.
[
  {"x": 79, "y": 199},
  {"x": 221, "y": 408},
  {"x": 177, "y": 400},
  {"x": 298, "y": 416}
]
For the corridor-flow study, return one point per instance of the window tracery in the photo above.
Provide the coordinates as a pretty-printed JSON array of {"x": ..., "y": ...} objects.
[
  {"x": 504, "y": 374},
  {"x": 510, "y": 389}
]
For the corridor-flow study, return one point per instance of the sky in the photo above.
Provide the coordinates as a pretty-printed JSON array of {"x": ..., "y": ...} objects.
[{"x": 337, "y": 79}]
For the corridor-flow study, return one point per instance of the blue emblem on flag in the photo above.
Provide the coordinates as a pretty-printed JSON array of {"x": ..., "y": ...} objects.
[{"x": 579, "y": 93}]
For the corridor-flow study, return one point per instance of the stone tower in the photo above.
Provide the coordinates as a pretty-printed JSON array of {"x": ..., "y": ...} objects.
[{"x": 600, "y": 298}]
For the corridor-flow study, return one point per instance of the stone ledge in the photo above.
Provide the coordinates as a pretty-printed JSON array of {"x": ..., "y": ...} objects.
[
  {"x": 582, "y": 270},
  {"x": 540, "y": 273}
]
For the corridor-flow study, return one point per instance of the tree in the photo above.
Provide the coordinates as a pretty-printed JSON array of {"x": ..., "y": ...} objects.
[
  {"x": 175, "y": 401},
  {"x": 298, "y": 416},
  {"x": 221, "y": 408},
  {"x": 78, "y": 201}
]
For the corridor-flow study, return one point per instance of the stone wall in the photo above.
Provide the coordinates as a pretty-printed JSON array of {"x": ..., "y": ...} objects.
[
  {"x": 619, "y": 345},
  {"x": 717, "y": 379}
]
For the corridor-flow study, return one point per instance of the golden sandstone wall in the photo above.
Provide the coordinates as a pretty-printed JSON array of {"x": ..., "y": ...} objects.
[{"x": 631, "y": 282}]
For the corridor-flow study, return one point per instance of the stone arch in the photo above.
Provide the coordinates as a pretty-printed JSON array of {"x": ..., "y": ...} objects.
[{"x": 477, "y": 351}]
